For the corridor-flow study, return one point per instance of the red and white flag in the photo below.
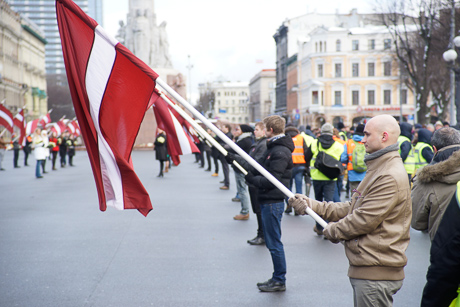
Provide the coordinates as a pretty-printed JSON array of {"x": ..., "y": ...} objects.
[
  {"x": 73, "y": 127},
  {"x": 6, "y": 118},
  {"x": 31, "y": 126},
  {"x": 111, "y": 89},
  {"x": 178, "y": 141},
  {"x": 58, "y": 127},
  {"x": 19, "y": 122},
  {"x": 45, "y": 120}
]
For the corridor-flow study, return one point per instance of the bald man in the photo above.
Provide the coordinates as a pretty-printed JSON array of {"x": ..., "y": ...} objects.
[{"x": 374, "y": 225}]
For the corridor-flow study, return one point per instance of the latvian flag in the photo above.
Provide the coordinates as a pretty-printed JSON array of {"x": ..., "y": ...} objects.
[
  {"x": 6, "y": 118},
  {"x": 18, "y": 121},
  {"x": 111, "y": 90},
  {"x": 46, "y": 119}
]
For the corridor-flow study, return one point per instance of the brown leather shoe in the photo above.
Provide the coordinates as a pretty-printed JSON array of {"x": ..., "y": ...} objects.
[
  {"x": 215, "y": 175},
  {"x": 318, "y": 232},
  {"x": 241, "y": 217},
  {"x": 224, "y": 187}
]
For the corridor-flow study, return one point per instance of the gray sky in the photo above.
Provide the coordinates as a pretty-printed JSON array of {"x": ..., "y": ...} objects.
[{"x": 233, "y": 39}]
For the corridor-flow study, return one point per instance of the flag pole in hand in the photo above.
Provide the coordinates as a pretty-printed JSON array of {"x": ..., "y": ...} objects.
[{"x": 235, "y": 147}]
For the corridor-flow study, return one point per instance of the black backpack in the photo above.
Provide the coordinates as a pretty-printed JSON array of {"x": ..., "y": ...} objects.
[{"x": 328, "y": 165}]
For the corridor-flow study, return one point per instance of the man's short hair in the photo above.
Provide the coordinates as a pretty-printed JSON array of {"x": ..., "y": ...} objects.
[
  {"x": 445, "y": 137},
  {"x": 261, "y": 125},
  {"x": 276, "y": 123},
  {"x": 229, "y": 127}
]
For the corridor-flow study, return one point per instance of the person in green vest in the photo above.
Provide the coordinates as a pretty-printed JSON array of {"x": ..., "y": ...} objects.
[
  {"x": 423, "y": 151},
  {"x": 405, "y": 148},
  {"x": 323, "y": 186}
]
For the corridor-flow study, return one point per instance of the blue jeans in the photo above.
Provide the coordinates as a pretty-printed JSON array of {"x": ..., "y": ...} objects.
[
  {"x": 297, "y": 177},
  {"x": 242, "y": 189},
  {"x": 271, "y": 223},
  {"x": 324, "y": 191},
  {"x": 38, "y": 168},
  {"x": 338, "y": 189}
]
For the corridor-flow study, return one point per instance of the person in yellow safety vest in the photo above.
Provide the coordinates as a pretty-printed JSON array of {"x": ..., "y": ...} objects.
[
  {"x": 339, "y": 182},
  {"x": 405, "y": 148},
  {"x": 308, "y": 137},
  {"x": 342, "y": 133},
  {"x": 423, "y": 151},
  {"x": 323, "y": 186},
  {"x": 298, "y": 158}
]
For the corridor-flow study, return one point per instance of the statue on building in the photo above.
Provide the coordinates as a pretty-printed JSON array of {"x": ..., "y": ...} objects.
[{"x": 142, "y": 35}]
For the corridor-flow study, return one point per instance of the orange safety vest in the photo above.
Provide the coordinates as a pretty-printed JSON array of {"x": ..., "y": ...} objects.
[
  {"x": 298, "y": 156},
  {"x": 350, "y": 147}
]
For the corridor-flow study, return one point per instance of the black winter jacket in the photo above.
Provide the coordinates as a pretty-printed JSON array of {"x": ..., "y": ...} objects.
[
  {"x": 277, "y": 160},
  {"x": 443, "y": 277}
]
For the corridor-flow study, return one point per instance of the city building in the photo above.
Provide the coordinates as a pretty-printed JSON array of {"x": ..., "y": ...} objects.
[
  {"x": 231, "y": 101},
  {"x": 43, "y": 13},
  {"x": 22, "y": 64},
  {"x": 262, "y": 95},
  {"x": 348, "y": 74}
]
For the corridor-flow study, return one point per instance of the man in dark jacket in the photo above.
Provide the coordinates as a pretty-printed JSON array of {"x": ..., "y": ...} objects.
[
  {"x": 226, "y": 129},
  {"x": 278, "y": 161},
  {"x": 405, "y": 148},
  {"x": 244, "y": 139},
  {"x": 423, "y": 152},
  {"x": 257, "y": 151}
]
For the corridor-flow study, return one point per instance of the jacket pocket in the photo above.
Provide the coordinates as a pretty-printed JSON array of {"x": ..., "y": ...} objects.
[{"x": 353, "y": 246}]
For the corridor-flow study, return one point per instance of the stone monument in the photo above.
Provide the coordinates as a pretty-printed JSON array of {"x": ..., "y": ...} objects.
[{"x": 149, "y": 42}]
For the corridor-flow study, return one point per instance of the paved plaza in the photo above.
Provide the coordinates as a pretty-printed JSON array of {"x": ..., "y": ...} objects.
[{"x": 58, "y": 249}]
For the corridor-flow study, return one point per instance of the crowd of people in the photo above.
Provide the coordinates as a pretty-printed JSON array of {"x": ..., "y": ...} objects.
[
  {"x": 44, "y": 145},
  {"x": 388, "y": 176}
]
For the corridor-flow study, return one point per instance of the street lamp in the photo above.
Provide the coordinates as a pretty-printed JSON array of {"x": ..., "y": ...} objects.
[{"x": 450, "y": 56}]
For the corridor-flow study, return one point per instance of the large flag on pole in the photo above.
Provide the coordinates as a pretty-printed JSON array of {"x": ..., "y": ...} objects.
[
  {"x": 6, "y": 118},
  {"x": 111, "y": 90},
  {"x": 18, "y": 121},
  {"x": 179, "y": 143},
  {"x": 31, "y": 126}
]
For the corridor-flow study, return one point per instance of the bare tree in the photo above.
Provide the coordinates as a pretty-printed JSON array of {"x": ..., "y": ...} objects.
[{"x": 412, "y": 24}]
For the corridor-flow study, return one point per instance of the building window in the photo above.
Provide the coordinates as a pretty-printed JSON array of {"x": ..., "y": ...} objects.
[
  {"x": 371, "y": 97},
  {"x": 337, "y": 45},
  {"x": 355, "y": 98},
  {"x": 403, "y": 96},
  {"x": 355, "y": 45},
  {"x": 320, "y": 70},
  {"x": 314, "y": 97},
  {"x": 372, "y": 44},
  {"x": 355, "y": 69},
  {"x": 338, "y": 70},
  {"x": 387, "y": 68},
  {"x": 387, "y": 44},
  {"x": 320, "y": 46},
  {"x": 338, "y": 98},
  {"x": 316, "y": 46},
  {"x": 371, "y": 69},
  {"x": 386, "y": 96}
]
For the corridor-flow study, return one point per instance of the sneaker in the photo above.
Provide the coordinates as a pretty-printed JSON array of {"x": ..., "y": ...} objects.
[
  {"x": 257, "y": 241},
  {"x": 241, "y": 217},
  {"x": 236, "y": 200},
  {"x": 215, "y": 175},
  {"x": 224, "y": 187},
  {"x": 273, "y": 286},
  {"x": 264, "y": 283},
  {"x": 318, "y": 232}
]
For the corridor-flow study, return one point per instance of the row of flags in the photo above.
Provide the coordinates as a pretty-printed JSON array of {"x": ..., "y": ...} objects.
[
  {"x": 111, "y": 91},
  {"x": 8, "y": 121}
]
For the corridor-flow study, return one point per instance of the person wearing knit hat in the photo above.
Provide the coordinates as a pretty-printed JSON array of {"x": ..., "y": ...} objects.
[
  {"x": 342, "y": 133},
  {"x": 323, "y": 186}
]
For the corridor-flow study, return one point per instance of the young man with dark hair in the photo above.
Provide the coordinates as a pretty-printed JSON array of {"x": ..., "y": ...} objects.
[{"x": 277, "y": 160}]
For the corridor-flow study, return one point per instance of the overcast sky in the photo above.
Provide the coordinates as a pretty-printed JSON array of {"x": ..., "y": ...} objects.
[{"x": 232, "y": 39}]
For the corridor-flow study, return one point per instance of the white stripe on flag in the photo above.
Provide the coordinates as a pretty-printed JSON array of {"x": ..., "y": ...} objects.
[
  {"x": 19, "y": 117},
  {"x": 183, "y": 140},
  {"x": 98, "y": 72},
  {"x": 6, "y": 117}
]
